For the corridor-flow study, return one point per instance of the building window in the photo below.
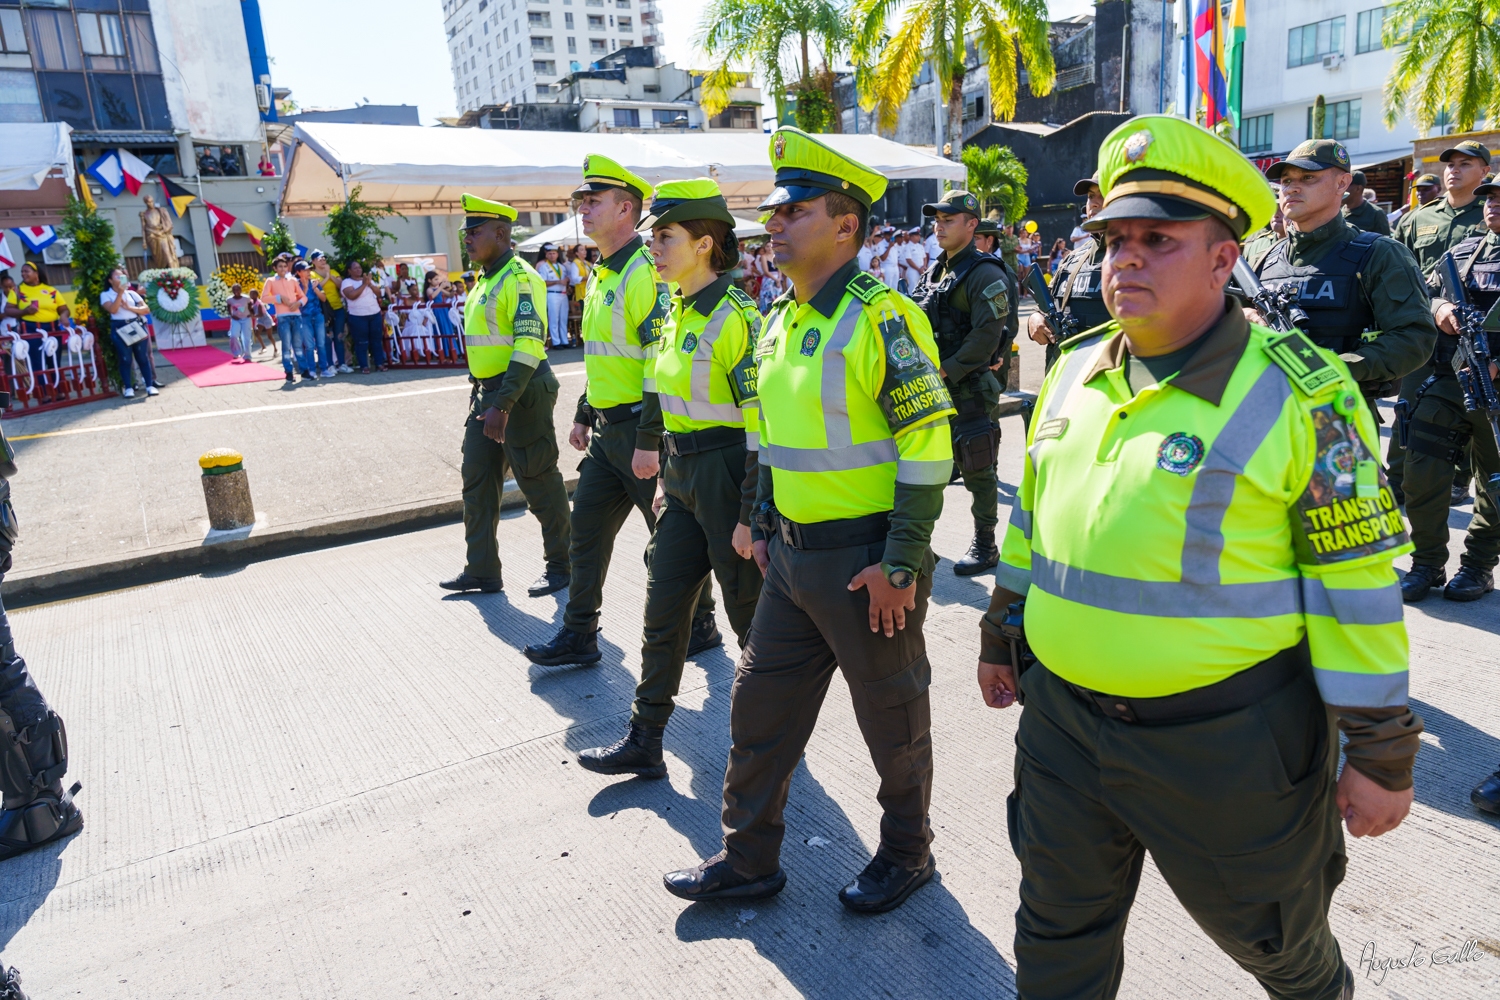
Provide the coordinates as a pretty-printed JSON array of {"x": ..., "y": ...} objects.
[
  {"x": 1255, "y": 134},
  {"x": 974, "y": 110},
  {"x": 627, "y": 118},
  {"x": 1367, "y": 30},
  {"x": 12, "y": 35},
  {"x": 220, "y": 161},
  {"x": 544, "y": 67},
  {"x": 735, "y": 117},
  {"x": 670, "y": 117},
  {"x": 1311, "y": 42},
  {"x": 568, "y": 21},
  {"x": 598, "y": 47},
  {"x": 593, "y": 3},
  {"x": 539, "y": 18},
  {"x": 573, "y": 45},
  {"x": 19, "y": 100},
  {"x": 541, "y": 44},
  {"x": 624, "y": 24},
  {"x": 623, "y": 4},
  {"x": 1340, "y": 121},
  {"x": 596, "y": 22}
]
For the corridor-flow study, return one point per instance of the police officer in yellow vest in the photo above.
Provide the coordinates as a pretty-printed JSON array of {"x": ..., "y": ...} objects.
[
  {"x": 618, "y": 421},
  {"x": 510, "y": 407},
  {"x": 1203, "y": 541},
  {"x": 705, "y": 380},
  {"x": 854, "y": 456}
]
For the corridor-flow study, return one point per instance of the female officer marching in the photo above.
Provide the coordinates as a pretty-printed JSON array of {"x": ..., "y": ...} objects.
[{"x": 705, "y": 379}]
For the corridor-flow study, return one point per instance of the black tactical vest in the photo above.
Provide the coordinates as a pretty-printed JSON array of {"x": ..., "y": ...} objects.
[
  {"x": 935, "y": 297},
  {"x": 1081, "y": 289},
  {"x": 1335, "y": 304},
  {"x": 1481, "y": 281}
]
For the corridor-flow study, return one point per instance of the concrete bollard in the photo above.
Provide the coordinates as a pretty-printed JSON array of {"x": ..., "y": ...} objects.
[{"x": 226, "y": 490}]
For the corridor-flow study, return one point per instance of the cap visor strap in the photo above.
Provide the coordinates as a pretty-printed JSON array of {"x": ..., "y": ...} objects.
[{"x": 1175, "y": 189}]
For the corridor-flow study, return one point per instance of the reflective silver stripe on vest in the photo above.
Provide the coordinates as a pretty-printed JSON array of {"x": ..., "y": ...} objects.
[
  {"x": 854, "y": 456},
  {"x": 703, "y": 354},
  {"x": 1380, "y": 606},
  {"x": 1246, "y": 430},
  {"x": 835, "y": 386},
  {"x": 489, "y": 340},
  {"x": 1021, "y": 518},
  {"x": 1339, "y": 687},
  {"x": 606, "y": 349},
  {"x": 723, "y": 413},
  {"x": 752, "y": 441},
  {"x": 522, "y": 358},
  {"x": 916, "y": 472},
  {"x": 1074, "y": 363},
  {"x": 617, "y": 332},
  {"x": 491, "y": 316},
  {"x": 1012, "y": 578},
  {"x": 1167, "y": 599}
]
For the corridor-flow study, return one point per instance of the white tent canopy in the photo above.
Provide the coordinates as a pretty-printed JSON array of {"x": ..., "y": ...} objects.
[
  {"x": 569, "y": 232},
  {"x": 427, "y": 171},
  {"x": 29, "y": 152}
]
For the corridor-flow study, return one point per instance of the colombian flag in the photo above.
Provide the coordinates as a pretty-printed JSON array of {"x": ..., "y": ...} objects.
[
  {"x": 178, "y": 196},
  {"x": 1208, "y": 37},
  {"x": 1234, "y": 51}
]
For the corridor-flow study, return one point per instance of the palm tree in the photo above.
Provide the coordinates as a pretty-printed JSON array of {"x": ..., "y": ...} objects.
[
  {"x": 997, "y": 177},
  {"x": 1452, "y": 52},
  {"x": 938, "y": 31},
  {"x": 767, "y": 34}
]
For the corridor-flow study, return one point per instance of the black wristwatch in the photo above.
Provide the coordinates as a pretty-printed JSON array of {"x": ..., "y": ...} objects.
[{"x": 898, "y": 576}]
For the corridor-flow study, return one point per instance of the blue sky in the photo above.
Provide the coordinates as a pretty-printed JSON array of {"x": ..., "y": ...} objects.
[{"x": 346, "y": 52}]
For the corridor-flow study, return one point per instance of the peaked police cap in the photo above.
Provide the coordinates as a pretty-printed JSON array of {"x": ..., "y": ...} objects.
[
  {"x": 678, "y": 201},
  {"x": 478, "y": 211},
  {"x": 600, "y": 173},
  {"x": 807, "y": 169}
]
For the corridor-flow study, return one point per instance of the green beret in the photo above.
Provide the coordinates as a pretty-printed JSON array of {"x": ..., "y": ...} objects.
[
  {"x": 677, "y": 201},
  {"x": 807, "y": 169},
  {"x": 479, "y": 210},
  {"x": 600, "y": 173},
  {"x": 1160, "y": 167}
]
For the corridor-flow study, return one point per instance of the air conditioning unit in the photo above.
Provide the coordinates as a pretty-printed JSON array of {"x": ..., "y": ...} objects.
[
  {"x": 1333, "y": 60},
  {"x": 263, "y": 96},
  {"x": 58, "y": 252}
]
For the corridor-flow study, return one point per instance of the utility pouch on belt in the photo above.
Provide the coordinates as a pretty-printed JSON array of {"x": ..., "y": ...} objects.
[
  {"x": 1403, "y": 421},
  {"x": 976, "y": 443},
  {"x": 1013, "y": 628}
]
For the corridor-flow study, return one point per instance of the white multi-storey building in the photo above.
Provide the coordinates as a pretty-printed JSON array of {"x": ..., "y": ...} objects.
[
  {"x": 511, "y": 51},
  {"x": 1297, "y": 50}
]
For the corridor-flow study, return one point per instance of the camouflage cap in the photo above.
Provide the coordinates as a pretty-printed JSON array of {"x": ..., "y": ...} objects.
[
  {"x": 807, "y": 169},
  {"x": 1469, "y": 147},
  {"x": 478, "y": 211},
  {"x": 1314, "y": 154},
  {"x": 953, "y": 203}
]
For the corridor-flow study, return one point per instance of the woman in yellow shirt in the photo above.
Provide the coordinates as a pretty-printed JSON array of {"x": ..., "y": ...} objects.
[{"x": 35, "y": 305}]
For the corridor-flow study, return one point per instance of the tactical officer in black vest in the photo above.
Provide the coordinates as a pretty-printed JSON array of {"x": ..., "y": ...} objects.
[
  {"x": 1078, "y": 284},
  {"x": 33, "y": 744},
  {"x": 970, "y": 298},
  {"x": 1352, "y": 282}
]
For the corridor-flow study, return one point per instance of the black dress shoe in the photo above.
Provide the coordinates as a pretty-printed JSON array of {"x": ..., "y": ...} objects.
[
  {"x": 566, "y": 646},
  {"x": 705, "y": 636},
  {"x": 1486, "y": 794},
  {"x": 637, "y": 752},
  {"x": 884, "y": 885},
  {"x": 1469, "y": 584},
  {"x": 464, "y": 582},
  {"x": 1421, "y": 579},
  {"x": 982, "y": 554},
  {"x": 549, "y": 583},
  {"x": 715, "y": 879},
  {"x": 1459, "y": 494}
]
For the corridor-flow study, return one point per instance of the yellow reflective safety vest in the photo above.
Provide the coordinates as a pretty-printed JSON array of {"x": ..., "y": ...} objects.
[
  {"x": 705, "y": 363},
  {"x": 503, "y": 319},
  {"x": 851, "y": 402},
  {"x": 1168, "y": 538},
  {"x": 623, "y": 313}
]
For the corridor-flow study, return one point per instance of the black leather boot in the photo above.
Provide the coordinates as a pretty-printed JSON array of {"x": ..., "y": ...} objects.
[
  {"x": 50, "y": 816},
  {"x": 1486, "y": 794},
  {"x": 566, "y": 646},
  {"x": 1459, "y": 495},
  {"x": 638, "y": 752},
  {"x": 1421, "y": 579},
  {"x": 705, "y": 636},
  {"x": 982, "y": 555},
  {"x": 884, "y": 885},
  {"x": 715, "y": 879},
  {"x": 1469, "y": 584},
  {"x": 463, "y": 582},
  {"x": 548, "y": 583}
]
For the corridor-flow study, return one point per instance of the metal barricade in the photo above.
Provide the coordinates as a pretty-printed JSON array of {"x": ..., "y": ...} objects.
[
  {"x": 46, "y": 367},
  {"x": 414, "y": 338}
]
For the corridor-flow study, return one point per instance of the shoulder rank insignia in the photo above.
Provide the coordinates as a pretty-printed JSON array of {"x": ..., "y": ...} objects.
[
  {"x": 1303, "y": 363},
  {"x": 739, "y": 297},
  {"x": 866, "y": 288}
]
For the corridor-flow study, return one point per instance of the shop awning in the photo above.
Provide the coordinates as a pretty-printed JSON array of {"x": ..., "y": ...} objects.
[
  {"x": 36, "y": 174},
  {"x": 426, "y": 172}
]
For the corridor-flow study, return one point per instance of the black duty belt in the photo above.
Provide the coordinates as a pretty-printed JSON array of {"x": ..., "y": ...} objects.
[
  {"x": 835, "y": 534},
  {"x": 707, "y": 439},
  {"x": 1233, "y": 693},
  {"x": 494, "y": 381},
  {"x": 616, "y": 414}
]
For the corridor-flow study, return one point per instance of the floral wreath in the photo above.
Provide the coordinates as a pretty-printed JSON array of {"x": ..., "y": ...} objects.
[{"x": 171, "y": 293}]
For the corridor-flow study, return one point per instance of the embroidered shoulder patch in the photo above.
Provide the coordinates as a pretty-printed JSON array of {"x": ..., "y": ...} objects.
[
  {"x": 1347, "y": 511},
  {"x": 1303, "y": 363},
  {"x": 740, "y": 298},
  {"x": 997, "y": 294},
  {"x": 866, "y": 288},
  {"x": 913, "y": 390},
  {"x": 526, "y": 322},
  {"x": 810, "y": 341},
  {"x": 1179, "y": 453}
]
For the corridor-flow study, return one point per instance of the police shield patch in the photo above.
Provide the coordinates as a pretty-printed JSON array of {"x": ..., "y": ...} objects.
[
  {"x": 810, "y": 343},
  {"x": 1179, "y": 453},
  {"x": 1347, "y": 511},
  {"x": 904, "y": 354},
  {"x": 525, "y": 308},
  {"x": 689, "y": 343},
  {"x": 609, "y": 297}
]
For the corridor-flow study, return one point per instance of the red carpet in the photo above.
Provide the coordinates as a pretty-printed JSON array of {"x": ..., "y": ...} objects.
[{"x": 206, "y": 366}]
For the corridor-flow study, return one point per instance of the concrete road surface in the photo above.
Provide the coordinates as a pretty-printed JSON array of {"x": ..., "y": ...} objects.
[{"x": 319, "y": 777}]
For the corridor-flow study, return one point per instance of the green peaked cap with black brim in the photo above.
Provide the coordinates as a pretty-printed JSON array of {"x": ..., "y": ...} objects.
[
  {"x": 679, "y": 201},
  {"x": 478, "y": 211},
  {"x": 807, "y": 169}
]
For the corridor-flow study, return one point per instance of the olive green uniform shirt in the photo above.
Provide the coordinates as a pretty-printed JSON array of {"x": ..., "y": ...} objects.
[
  {"x": 1369, "y": 218},
  {"x": 988, "y": 294},
  {"x": 1393, "y": 287},
  {"x": 1436, "y": 226}
]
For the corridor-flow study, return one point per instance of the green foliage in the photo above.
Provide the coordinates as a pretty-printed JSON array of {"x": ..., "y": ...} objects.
[
  {"x": 1320, "y": 117},
  {"x": 998, "y": 178},
  {"x": 772, "y": 36},
  {"x": 815, "y": 111},
  {"x": 278, "y": 240},
  {"x": 1452, "y": 51},
  {"x": 354, "y": 229},
  {"x": 94, "y": 256},
  {"x": 178, "y": 284}
]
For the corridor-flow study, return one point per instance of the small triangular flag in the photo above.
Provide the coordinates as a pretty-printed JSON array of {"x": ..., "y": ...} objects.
[
  {"x": 255, "y": 233},
  {"x": 219, "y": 220},
  {"x": 135, "y": 171},
  {"x": 178, "y": 196}
]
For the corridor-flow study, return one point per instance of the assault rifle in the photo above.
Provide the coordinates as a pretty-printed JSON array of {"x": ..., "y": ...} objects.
[
  {"x": 1471, "y": 363},
  {"x": 1277, "y": 306},
  {"x": 1061, "y": 322}
]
